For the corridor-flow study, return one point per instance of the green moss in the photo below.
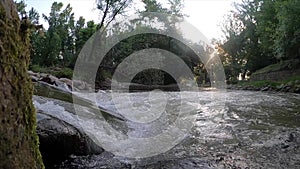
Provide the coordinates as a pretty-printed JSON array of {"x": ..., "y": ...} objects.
[
  {"x": 2, "y": 14},
  {"x": 51, "y": 92},
  {"x": 18, "y": 138}
]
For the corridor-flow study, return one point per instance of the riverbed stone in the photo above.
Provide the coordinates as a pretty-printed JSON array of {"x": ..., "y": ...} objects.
[
  {"x": 49, "y": 79},
  {"x": 31, "y": 73},
  {"x": 291, "y": 83},
  {"x": 34, "y": 78},
  {"x": 59, "y": 139},
  {"x": 104, "y": 160},
  {"x": 265, "y": 88},
  {"x": 67, "y": 81}
]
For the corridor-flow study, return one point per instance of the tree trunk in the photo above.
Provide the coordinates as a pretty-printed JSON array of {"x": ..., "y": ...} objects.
[{"x": 18, "y": 138}]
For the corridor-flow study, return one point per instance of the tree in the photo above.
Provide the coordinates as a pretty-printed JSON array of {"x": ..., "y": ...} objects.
[
  {"x": 35, "y": 37},
  {"x": 78, "y": 28},
  {"x": 269, "y": 32},
  {"x": 21, "y": 7},
  {"x": 153, "y": 6},
  {"x": 56, "y": 47},
  {"x": 82, "y": 34},
  {"x": 18, "y": 138},
  {"x": 287, "y": 42},
  {"x": 67, "y": 34},
  {"x": 231, "y": 51},
  {"x": 249, "y": 33},
  {"x": 144, "y": 41},
  {"x": 267, "y": 23},
  {"x": 109, "y": 10}
]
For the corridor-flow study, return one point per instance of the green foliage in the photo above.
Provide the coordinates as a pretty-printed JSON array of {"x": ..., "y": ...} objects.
[
  {"x": 60, "y": 45},
  {"x": 287, "y": 42},
  {"x": 284, "y": 65},
  {"x": 274, "y": 84},
  {"x": 153, "y": 6},
  {"x": 109, "y": 9},
  {"x": 33, "y": 16},
  {"x": 65, "y": 37},
  {"x": 63, "y": 73},
  {"x": 58, "y": 72},
  {"x": 38, "y": 68},
  {"x": 267, "y": 23},
  {"x": 259, "y": 33},
  {"x": 21, "y": 7}
]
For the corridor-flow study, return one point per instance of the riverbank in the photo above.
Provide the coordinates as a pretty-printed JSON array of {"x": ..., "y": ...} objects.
[{"x": 291, "y": 85}]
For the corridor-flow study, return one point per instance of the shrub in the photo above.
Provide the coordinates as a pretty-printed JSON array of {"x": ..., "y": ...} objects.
[
  {"x": 38, "y": 69},
  {"x": 63, "y": 73}
]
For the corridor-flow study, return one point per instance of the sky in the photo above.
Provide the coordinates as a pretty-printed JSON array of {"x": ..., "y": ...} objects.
[{"x": 205, "y": 15}]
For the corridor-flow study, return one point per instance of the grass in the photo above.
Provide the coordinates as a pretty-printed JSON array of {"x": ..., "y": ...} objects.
[
  {"x": 284, "y": 65},
  {"x": 263, "y": 83}
]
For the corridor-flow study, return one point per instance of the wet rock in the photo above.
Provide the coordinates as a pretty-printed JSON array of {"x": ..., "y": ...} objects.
[
  {"x": 279, "y": 87},
  {"x": 284, "y": 146},
  {"x": 67, "y": 81},
  {"x": 49, "y": 79},
  {"x": 34, "y": 78},
  {"x": 292, "y": 137},
  {"x": 183, "y": 163},
  {"x": 291, "y": 83},
  {"x": 246, "y": 88},
  {"x": 31, "y": 73},
  {"x": 104, "y": 160},
  {"x": 59, "y": 139},
  {"x": 297, "y": 89},
  {"x": 287, "y": 88},
  {"x": 284, "y": 88},
  {"x": 265, "y": 88},
  {"x": 52, "y": 91},
  {"x": 81, "y": 85},
  {"x": 292, "y": 90},
  {"x": 106, "y": 84}
]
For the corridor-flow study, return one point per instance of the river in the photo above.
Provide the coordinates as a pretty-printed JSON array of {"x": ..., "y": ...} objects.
[{"x": 222, "y": 129}]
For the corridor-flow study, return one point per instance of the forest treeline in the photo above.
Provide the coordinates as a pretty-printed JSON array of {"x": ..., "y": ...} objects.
[
  {"x": 259, "y": 33},
  {"x": 60, "y": 45}
]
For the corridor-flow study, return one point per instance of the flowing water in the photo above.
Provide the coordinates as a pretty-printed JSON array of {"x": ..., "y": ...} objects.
[{"x": 222, "y": 129}]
